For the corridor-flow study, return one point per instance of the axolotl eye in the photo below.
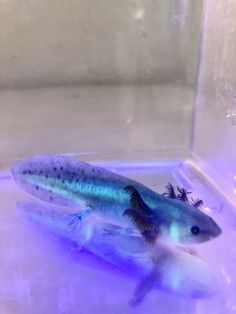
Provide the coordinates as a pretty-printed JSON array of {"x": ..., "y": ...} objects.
[{"x": 195, "y": 230}]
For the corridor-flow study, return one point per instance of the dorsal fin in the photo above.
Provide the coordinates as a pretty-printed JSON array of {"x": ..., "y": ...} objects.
[{"x": 136, "y": 201}]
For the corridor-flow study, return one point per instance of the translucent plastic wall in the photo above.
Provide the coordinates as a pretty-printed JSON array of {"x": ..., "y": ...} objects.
[
  {"x": 214, "y": 143},
  {"x": 57, "y": 42},
  {"x": 110, "y": 79}
]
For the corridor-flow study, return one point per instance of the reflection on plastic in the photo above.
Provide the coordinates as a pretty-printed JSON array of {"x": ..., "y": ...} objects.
[{"x": 162, "y": 267}]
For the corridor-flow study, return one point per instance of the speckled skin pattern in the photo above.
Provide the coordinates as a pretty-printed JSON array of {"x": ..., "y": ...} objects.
[{"x": 66, "y": 181}]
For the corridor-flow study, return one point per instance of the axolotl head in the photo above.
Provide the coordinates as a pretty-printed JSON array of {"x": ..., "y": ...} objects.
[
  {"x": 173, "y": 220},
  {"x": 188, "y": 224}
]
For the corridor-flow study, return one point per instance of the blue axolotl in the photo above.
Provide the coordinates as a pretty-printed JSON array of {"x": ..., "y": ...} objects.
[{"x": 66, "y": 181}]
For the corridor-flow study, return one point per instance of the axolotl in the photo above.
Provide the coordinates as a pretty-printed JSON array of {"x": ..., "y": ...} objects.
[{"x": 66, "y": 181}]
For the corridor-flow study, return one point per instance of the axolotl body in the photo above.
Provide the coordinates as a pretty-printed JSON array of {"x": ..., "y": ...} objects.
[{"x": 68, "y": 182}]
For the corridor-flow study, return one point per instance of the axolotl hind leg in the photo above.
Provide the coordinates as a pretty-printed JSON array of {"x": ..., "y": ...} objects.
[{"x": 77, "y": 218}]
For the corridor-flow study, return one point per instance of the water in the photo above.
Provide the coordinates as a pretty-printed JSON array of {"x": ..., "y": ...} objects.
[{"x": 43, "y": 273}]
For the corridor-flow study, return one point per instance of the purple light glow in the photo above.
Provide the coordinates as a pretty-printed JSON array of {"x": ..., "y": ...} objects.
[{"x": 54, "y": 278}]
